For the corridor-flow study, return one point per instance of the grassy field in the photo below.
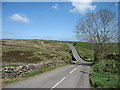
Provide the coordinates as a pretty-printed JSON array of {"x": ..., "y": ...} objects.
[{"x": 33, "y": 51}]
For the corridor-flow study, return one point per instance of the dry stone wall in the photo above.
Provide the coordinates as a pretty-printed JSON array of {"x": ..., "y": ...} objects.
[{"x": 10, "y": 72}]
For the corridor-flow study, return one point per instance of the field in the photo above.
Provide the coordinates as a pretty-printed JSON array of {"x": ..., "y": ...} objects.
[
  {"x": 33, "y": 51},
  {"x": 36, "y": 51}
]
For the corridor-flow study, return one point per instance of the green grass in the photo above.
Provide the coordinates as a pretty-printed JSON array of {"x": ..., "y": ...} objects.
[
  {"x": 32, "y": 74},
  {"x": 105, "y": 74},
  {"x": 114, "y": 48},
  {"x": 10, "y": 81},
  {"x": 10, "y": 66},
  {"x": 105, "y": 80}
]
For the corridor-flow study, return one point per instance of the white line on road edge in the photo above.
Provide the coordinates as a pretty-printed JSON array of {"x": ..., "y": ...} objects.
[
  {"x": 57, "y": 83},
  {"x": 73, "y": 70}
]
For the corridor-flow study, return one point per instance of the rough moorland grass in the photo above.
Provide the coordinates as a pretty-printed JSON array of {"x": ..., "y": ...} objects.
[
  {"x": 7, "y": 81},
  {"x": 34, "y": 51}
]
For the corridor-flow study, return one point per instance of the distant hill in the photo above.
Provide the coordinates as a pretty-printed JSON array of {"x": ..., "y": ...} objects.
[{"x": 34, "y": 51}]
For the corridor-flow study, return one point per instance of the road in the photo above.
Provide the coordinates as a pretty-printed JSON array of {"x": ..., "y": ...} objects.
[
  {"x": 76, "y": 56},
  {"x": 71, "y": 76}
]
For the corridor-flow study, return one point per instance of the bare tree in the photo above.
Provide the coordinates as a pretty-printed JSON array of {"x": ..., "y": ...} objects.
[{"x": 98, "y": 28}]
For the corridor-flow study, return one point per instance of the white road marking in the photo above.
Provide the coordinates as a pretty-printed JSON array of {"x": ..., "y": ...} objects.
[
  {"x": 73, "y": 70},
  {"x": 62, "y": 79},
  {"x": 57, "y": 83}
]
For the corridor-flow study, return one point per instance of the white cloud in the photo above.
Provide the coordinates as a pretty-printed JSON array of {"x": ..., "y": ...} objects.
[
  {"x": 55, "y": 6},
  {"x": 116, "y": 4},
  {"x": 20, "y": 18},
  {"x": 82, "y": 6}
]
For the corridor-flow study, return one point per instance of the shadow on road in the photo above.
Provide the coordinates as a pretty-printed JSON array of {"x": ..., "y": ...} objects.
[
  {"x": 85, "y": 72},
  {"x": 86, "y": 64}
]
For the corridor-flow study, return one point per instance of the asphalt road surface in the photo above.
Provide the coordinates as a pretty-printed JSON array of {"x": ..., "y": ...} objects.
[
  {"x": 71, "y": 76},
  {"x": 76, "y": 56}
]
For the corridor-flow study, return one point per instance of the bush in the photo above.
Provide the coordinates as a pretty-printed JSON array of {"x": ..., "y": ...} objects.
[
  {"x": 106, "y": 74},
  {"x": 115, "y": 56},
  {"x": 107, "y": 66}
]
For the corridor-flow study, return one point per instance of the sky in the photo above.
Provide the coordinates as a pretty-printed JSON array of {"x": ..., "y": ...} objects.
[{"x": 46, "y": 20}]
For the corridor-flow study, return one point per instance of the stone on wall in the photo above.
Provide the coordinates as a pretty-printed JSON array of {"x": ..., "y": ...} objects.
[{"x": 9, "y": 72}]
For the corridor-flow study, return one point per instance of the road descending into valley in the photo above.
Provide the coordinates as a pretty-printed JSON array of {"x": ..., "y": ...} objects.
[{"x": 71, "y": 76}]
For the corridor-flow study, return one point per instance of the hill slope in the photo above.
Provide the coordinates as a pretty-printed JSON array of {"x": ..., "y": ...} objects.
[{"x": 33, "y": 51}]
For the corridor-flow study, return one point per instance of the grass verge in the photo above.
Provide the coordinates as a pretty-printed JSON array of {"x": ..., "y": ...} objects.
[
  {"x": 8, "y": 81},
  {"x": 105, "y": 80},
  {"x": 105, "y": 74}
]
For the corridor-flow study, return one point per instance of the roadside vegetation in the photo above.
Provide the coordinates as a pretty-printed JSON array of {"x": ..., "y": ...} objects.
[
  {"x": 100, "y": 29},
  {"x": 105, "y": 73}
]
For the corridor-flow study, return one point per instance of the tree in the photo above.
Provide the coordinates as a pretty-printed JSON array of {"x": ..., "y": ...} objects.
[{"x": 98, "y": 28}]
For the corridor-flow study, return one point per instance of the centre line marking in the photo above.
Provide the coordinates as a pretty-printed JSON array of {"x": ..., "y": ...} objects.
[
  {"x": 57, "y": 83},
  {"x": 73, "y": 70}
]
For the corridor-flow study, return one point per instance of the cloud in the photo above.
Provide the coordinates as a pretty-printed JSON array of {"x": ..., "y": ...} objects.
[
  {"x": 82, "y": 6},
  {"x": 55, "y": 6},
  {"x": 116, "y": 4},
  {"x": 19, "y": 18}
]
